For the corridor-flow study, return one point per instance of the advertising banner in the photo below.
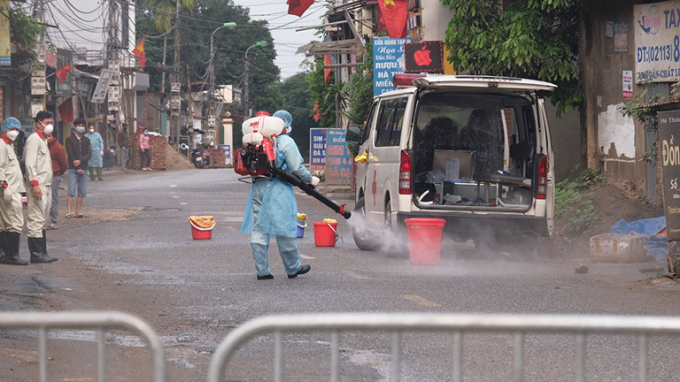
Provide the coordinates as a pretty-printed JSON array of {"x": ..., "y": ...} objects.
[
  {"x": 424, "y": 57},
  {"x": 669, "y": 125},
  {"x": 317, "y": 150},
  {"x": 657, "y": 41},
  {"x": 388, "y": 59},
  {"x": 338, "y": 159}
]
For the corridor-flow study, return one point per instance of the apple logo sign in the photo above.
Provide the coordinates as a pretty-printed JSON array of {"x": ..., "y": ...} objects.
[{"x": 422, "y": 57}]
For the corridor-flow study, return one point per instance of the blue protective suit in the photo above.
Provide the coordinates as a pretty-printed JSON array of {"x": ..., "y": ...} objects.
[
  {"x": 97, "y": 144},
  {"x": 272, "y": 210}
]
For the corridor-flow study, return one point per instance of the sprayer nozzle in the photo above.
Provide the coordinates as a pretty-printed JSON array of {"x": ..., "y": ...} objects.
[{"x": 345, "y": 214}]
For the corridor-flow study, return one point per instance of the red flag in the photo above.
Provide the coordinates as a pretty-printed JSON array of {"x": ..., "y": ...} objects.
[
  {"x": 139, "y": 53},
  {"x": 298, "y": 7},
  {"x": 66, "y": 111},
  {"x": 62, "y": 74},
  {"x": 394, "y": 16},
  {"x": 326, "y": 71}
]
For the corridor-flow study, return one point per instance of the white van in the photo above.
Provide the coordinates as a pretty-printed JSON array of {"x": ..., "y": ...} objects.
[{"x": 473, "y": 150}]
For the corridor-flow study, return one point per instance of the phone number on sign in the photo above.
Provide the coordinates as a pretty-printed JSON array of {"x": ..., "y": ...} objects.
[{"x": 669, "y": 52}]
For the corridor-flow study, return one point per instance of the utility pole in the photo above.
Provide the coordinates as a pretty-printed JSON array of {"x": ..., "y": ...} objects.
[
  {"x": 165, "y": 47},
  {"x": 38, "y": 72},
  {"x": 175, "y": 76}
]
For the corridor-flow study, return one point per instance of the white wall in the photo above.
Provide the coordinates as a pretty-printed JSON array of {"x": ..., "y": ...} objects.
[
  {"x": 435, "y": 19},
  {"x": 614, "y": 128}
]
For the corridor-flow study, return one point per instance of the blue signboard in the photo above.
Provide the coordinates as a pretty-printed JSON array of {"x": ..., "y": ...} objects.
[
  {"x": 388, "y": 59},
  {"x": 317, "y": 150},
  {"x": 227, "y": 153},
  {"x": 338, "y": 158}
]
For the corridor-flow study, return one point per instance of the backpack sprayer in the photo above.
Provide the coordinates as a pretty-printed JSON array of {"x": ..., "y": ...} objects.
[{"x": 257, "y": 158}]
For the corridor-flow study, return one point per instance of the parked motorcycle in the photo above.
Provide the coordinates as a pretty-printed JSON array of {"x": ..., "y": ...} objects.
[{"x": 197, "y": 157}]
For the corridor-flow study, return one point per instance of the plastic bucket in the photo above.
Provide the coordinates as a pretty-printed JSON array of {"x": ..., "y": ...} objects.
[
  {"x": 425, "y": 240},
  {"x": 325, "y": 234},
  {"x": 301, "y": 229},
  {"x": 199, "y": 233}
]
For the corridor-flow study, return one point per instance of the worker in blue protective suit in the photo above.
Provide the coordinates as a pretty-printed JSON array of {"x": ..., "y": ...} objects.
[{"x": 272, "y": 209}]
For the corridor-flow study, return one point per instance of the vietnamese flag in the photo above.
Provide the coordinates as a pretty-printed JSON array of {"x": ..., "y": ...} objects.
[
  {"x": 62, "y": 74},
  {"x": 326, "y": 71},
  {"x": 394, "y": 16},
  {"x": 139, "y": 53},
  {"x": 66, "y": 111}
]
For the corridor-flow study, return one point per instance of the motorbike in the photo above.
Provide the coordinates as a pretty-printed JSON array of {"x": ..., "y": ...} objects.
[{"x": 197, "y": 157}]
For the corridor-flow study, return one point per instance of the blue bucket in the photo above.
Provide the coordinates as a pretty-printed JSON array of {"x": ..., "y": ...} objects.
[{"x": 301, "y": 229}]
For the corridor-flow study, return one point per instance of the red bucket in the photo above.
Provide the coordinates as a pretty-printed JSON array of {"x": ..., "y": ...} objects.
[
  {"x": 199, "y": 233},
  {"x": 325, "y": 234},
  {"x": 425, "y": 240}
]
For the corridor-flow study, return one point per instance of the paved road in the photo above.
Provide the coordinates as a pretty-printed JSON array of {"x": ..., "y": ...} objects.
[{"x": 133, "y": 252}]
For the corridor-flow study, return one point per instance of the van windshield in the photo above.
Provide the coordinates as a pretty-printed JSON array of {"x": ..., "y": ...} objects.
[{"x": 482, "y": 124}]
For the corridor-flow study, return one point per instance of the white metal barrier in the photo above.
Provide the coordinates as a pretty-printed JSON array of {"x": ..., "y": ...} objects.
[
  {"x": 519, "y": 325},
  {"x": 97, "y": 321}
]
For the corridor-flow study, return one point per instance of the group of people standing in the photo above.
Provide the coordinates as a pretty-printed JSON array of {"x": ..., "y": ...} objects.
[
  {"x": 45, "y": 161},
  {"x": 37, "y": 183}
]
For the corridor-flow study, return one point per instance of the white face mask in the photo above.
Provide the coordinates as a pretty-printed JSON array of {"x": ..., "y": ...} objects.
[
  {"x": 12, "y": 134},
  {"x": 80, "y": 129},
  {"x": 91, "y": 131},
  {"x": 48, "y": 128}
]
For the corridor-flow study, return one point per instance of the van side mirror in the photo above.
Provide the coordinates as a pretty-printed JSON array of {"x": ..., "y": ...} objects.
[{"x": 353, "y": 133}]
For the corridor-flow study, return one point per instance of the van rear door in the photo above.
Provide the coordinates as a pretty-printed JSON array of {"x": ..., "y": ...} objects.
[{"x": 550, "y": 192}]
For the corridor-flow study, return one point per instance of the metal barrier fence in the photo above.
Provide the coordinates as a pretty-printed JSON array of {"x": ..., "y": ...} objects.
[
  {"x": 98, "y": 321},
  {"x": 519, "y": 325}
]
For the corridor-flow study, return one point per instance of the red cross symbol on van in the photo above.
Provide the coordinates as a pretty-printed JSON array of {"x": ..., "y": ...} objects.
[{"x": 374, "y": 186}]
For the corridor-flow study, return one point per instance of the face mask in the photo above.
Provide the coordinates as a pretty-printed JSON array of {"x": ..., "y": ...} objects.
[
  {"x": 146, "y": 133},
  {"x": 12, "y": 135},
  {"x": 91, "y": 131},
  {"x": 289, "y": 129},
  {"x": 48, "y": 129},
  {"x": 80, "y": 129}
]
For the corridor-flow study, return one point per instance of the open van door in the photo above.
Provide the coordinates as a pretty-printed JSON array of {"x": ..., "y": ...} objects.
[{"x": 550, "y": 191}]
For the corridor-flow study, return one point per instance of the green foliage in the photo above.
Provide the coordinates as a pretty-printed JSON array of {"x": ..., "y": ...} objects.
[
  {"x": 318, "y": 93},
  {"x": 362, "y": 89},
  {"x": 573, "y": 202},
  {"x": 197, "y": 25},
  {"x": 647, "y": 116},
  {"x": 24, "y": 30},
  {"x": 296, "y": 100},
  {"x": 531, "y": 39}
]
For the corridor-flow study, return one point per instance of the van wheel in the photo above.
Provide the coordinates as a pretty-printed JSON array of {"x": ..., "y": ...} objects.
[
  {"x": 394, "y": 247},
  {"x": 363, "y": 236}
]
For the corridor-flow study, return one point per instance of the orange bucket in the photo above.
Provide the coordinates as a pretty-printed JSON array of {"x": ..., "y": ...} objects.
[
  {"x": 201, "y": 227},
  {"x": 425, "y": 240},
  {"x": 325, "y": 234}
]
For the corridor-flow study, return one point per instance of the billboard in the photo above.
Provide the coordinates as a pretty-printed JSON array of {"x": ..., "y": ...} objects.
[
  {"x": 657, "y": 41},
  {"x": 424, "y": 57},
  {"x": 317, "y": 150},
  {"x": 338, "y": 159},
  {"x": 388, "y": 59}
]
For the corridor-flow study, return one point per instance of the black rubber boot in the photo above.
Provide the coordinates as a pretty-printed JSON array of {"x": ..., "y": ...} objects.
[
  {"x": 38, "y": 248},
  {"x": 3, "y": 245},
  {"x": 12, "y": 241}
]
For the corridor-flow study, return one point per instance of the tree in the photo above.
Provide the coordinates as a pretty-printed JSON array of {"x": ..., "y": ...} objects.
[
  {"x": 530, "y": 39},
  {"x": 317, "y": 91},
  {"x": 296, "y": 97},
  {"x": 230, "y": 44}
]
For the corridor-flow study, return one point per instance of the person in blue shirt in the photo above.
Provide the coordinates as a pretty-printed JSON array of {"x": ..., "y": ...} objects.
[
  {"x": 96, "y": 162},
  {"x": 272, "y": 209}
]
